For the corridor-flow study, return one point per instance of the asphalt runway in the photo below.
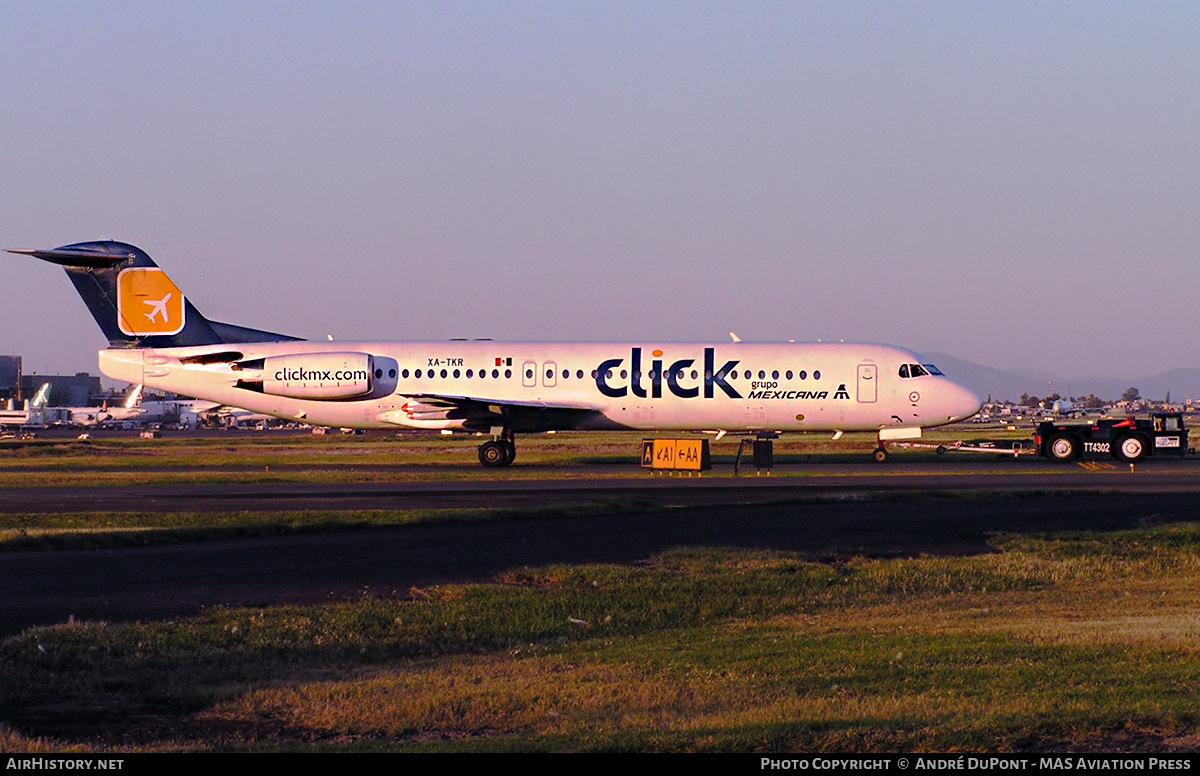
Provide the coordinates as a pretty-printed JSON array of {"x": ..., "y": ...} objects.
[{"x": 910, "y": 510}]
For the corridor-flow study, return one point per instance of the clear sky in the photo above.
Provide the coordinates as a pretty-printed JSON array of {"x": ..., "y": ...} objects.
[{"x": 1014, "y": 183}]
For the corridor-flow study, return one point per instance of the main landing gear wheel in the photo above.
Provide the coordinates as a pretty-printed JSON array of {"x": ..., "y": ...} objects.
[
  {"x": 493, "y": 454},
  {"x": 1131, "y": 449},
  {"x": 881, "y": 455},
  {"x": 1063, "y": 448},
  {"x": 497, "y": 453}
]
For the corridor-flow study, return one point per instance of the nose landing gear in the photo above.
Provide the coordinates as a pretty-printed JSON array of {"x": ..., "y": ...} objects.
[{"x": 881, "y": 452}]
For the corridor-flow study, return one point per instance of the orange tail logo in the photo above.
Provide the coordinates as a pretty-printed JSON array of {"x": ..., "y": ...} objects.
[{"x": 148, "y": 302}]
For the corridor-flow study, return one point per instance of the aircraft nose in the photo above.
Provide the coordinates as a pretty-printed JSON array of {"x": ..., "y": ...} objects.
[{"x": 963, "y": 403}]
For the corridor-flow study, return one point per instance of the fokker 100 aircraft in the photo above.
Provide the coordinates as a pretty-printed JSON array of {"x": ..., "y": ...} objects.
[{"x": 157, "y": 338}]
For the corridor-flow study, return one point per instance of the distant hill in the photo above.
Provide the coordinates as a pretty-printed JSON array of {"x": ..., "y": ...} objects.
[{"x": 1008, "y": 385}]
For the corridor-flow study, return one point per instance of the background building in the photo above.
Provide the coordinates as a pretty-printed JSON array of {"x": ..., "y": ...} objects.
[
  {"x": 79, "y": 390},
  {"x": 10, "y": 378}
]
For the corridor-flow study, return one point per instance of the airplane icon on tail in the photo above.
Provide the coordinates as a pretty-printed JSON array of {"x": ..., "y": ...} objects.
[
  {"x": 148, "y": 303},
  {"x": 158, "y": 307}
]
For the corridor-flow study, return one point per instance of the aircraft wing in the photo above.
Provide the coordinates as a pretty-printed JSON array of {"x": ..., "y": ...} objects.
[
  {"x": 480, "y": 413},
  {"x": 430, "y": 398}
]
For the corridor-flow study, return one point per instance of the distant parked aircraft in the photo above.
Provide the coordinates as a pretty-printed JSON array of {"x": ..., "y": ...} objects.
[
  {"x": 98, "y": 416},
  {"x": 31, "y": 415}
]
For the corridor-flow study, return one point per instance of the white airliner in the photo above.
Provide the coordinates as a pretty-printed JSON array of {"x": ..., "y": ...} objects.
[
  {"x": 99, "y": 416},
  {"x": 33, "y": 414},
  {"x": 502, "y": 388}
]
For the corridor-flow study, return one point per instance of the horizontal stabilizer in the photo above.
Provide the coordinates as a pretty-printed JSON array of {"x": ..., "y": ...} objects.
[{"x": 76, "y": 258}]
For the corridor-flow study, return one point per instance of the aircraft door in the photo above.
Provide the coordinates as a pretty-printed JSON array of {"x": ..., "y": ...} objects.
[
  {"x": 529, "y": 374},
  {"x": 549, "y": 374},
  {"x": 868, "y": 383}
]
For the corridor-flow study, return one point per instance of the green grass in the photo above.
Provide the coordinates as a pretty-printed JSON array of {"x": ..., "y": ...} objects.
[{"x": 1076, "y": 641}]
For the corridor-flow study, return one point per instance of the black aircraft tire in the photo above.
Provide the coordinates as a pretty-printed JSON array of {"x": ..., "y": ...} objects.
[
  {"x": 881, "y": 455},
  {"x": 510, "y": 453},
  {"x": 493, "y": 454}
]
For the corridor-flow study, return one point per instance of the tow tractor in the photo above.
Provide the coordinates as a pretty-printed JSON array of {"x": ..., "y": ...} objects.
[{"x": 1128, "y": 439}]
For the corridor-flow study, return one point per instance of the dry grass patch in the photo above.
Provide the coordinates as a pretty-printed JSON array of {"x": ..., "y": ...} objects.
[
  {"x": 12, "y": 742},
  {"x": 547, "y": 695},
  {"x": 557, "y": 696}
]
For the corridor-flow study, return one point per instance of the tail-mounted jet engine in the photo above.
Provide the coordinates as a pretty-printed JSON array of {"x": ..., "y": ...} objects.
[{"x": 320, "y": 376}]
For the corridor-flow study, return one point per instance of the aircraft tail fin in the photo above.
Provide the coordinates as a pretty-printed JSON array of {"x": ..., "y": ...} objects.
[
  {"x": 41, "y": 398},
  {"x": 135, "y": 303},
  {"x": 134, "y": 399}
]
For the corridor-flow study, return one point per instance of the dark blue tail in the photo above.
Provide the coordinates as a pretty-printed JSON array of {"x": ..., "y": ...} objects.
[{"x": 135, "y": 303}]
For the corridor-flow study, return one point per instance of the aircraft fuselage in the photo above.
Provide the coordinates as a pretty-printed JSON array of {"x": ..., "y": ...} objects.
[{"x": 472, "y": 384}]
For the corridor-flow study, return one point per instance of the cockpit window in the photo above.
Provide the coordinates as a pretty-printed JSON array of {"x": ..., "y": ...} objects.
[
  {"x": 917, "y": 371},
  {"x": 933, "y": 370},
  {"x": 904, "y": 370}
]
